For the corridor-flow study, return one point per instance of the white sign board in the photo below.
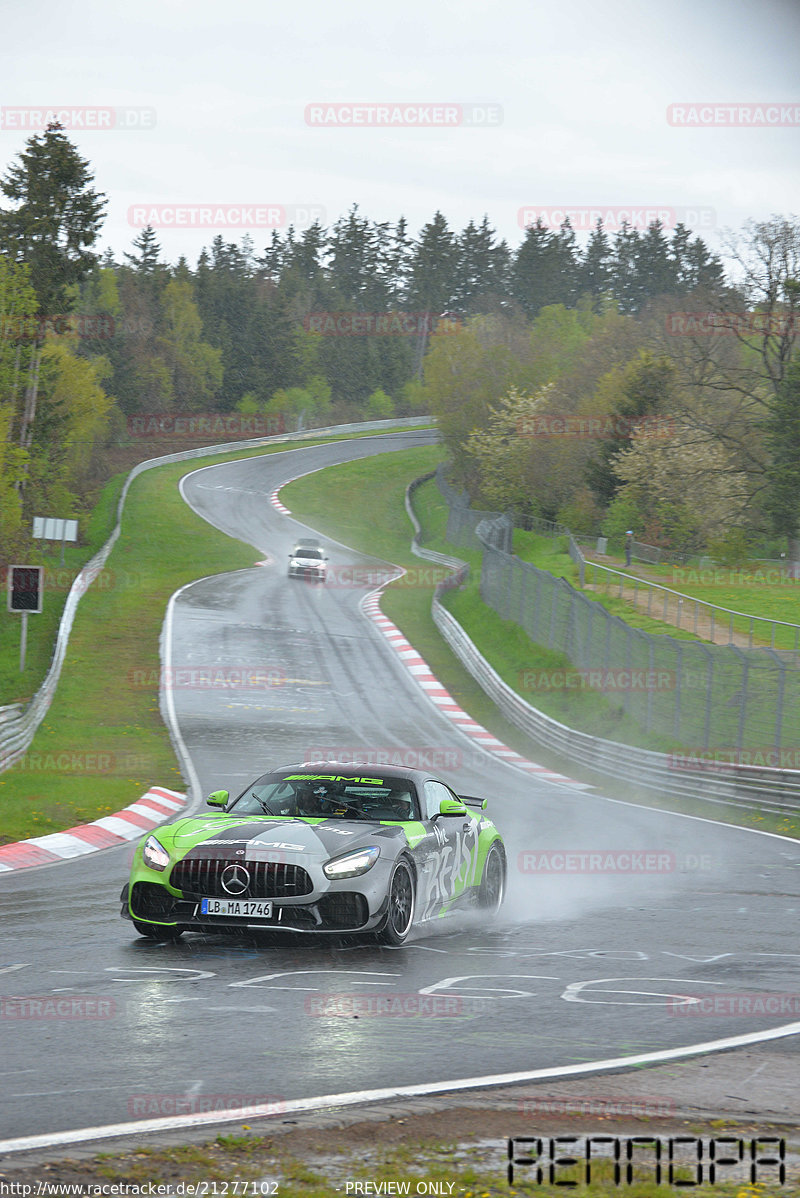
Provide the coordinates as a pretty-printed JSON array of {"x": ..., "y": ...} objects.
[{"x": 45, "y": 528}]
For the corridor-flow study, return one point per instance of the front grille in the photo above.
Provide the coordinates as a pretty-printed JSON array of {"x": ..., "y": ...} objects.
[{"x": 268, "y": 879}]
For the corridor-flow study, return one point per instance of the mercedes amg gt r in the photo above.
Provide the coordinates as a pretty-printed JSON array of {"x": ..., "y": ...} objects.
[{"x": 320, "y": 848}]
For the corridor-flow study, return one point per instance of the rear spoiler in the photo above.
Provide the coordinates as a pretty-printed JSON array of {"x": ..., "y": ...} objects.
[{"x": 471, "y": 801}]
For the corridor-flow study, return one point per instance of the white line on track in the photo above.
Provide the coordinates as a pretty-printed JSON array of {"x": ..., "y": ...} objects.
[{"x": 354, "y": 1098}]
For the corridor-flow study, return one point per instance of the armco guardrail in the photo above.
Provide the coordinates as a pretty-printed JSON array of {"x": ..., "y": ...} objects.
[
  {"x": 17, "y": 726},
  {"x": 763, "y": 788}
]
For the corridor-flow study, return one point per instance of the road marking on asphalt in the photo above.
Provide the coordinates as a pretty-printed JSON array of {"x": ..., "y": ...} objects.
[{"x": 354, "y": 1098}]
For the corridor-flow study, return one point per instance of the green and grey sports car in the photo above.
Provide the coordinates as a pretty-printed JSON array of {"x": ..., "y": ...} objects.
[{"x": 320, "y": 848}]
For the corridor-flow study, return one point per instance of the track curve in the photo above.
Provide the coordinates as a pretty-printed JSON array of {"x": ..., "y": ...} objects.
[{"x": 586, "y": 966}]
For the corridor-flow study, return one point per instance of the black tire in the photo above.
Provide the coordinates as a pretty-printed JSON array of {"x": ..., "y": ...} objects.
[
  {"x": 401, "y": 901},
  {"x": 493, "y": 882},
  {"x": 153, "y": 932}
]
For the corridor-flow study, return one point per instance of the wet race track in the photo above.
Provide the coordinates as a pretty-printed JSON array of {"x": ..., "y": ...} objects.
[{"x": 583, "y": 966}]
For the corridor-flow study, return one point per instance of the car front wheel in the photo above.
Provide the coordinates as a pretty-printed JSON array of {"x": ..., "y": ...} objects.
[{"x": 400, "y": 915}]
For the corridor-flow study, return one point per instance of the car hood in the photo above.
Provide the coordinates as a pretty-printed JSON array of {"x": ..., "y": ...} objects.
[{"x": 250, "y": 838}]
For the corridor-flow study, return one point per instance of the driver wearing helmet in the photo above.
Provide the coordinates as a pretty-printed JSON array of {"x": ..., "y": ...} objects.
[
  {"x": 316, "y": 801},
  {"x": 401, "y": 805}
]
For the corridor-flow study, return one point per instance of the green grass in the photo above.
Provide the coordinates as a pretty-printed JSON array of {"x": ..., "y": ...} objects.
[
  {"x": 305, "y": 1164},
  {"x": 755, "y": 589},
  {"x": 103, "y": 742},
  {"x": 19, "y": 687},
  {"x": 764, "y": 693},
  {"x": 370, "y": 516},
  {"x": 377, "y": 488},
  {"x": 549, "y": 553}
]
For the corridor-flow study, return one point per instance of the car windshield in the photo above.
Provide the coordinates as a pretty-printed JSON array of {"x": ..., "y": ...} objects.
[
  {"x": 327, "y": 796},
  {"x": 301, "y": 552}
]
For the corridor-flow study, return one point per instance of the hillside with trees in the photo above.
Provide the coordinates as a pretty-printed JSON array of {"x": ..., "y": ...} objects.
[{"x": 614, "y": 384}]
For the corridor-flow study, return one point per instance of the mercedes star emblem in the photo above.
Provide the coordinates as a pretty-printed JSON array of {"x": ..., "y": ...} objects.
[{"x": 235, "y": 879}]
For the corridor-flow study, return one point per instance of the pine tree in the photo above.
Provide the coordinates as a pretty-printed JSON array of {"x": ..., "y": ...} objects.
[
  {"x": 654, "y": 267},
  {"x": 433, "y": 268},
  {"x": 147, "y": 260},
  {"x": 545, "y": 270},
  {"x": 481, "y": 270},
  {"x": 594, "y": 272},
  {"x": 53, "y": 226},
  {"x": 625, "y": 276}
]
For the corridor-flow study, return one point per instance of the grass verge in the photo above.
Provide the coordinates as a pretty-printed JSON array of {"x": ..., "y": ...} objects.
[
  {"x": 754, "y": 590},
  {"x": 103, "y": 742},
  {"x": 19, "y": 686},
  {"x": 402, "y": 1156},
  {"x": 371, "y": 518}
]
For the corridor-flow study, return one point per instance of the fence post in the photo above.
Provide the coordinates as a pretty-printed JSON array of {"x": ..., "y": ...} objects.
[
  {"x": 742, "y": 700},
  {"x": 779, "y": 704},
  {"x": 676, "y": 718},
  {"x": 709, "y": 696}
]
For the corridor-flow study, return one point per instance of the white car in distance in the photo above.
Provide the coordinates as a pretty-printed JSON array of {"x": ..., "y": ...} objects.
[{"x": 307, "y": 560}]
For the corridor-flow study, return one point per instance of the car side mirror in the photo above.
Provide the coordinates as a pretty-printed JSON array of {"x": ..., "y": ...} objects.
[
  {"x": 452, "y": 807},
  {"x": 218, "y": 798}
]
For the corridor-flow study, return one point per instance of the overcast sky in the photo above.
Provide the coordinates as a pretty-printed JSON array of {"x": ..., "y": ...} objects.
[{"x": 572, "y": 98}]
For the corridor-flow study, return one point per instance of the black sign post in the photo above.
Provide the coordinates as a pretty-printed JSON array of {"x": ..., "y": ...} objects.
[{"x": 24, "y": 595}]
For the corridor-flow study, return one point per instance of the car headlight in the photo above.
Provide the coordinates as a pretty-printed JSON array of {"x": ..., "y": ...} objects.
[
  {"x": 351, "y": 864},
  {"x": 154, "y": 854}
]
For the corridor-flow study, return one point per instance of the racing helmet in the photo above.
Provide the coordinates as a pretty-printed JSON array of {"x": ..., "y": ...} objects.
[{"x": 315, "y": 799}]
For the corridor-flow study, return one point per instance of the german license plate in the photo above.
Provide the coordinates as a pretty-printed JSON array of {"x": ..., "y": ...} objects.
[{"x": 244, "y": 908}]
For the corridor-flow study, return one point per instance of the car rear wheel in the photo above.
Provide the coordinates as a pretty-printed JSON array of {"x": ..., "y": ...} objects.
[
  {"x": 493, "y": 882},
  {"x": 400, "y": 915},
  {"x": 153, "y": 932}
]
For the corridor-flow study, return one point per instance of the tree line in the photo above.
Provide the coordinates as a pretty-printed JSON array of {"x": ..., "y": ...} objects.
[{"x": 363, "y": 320}]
